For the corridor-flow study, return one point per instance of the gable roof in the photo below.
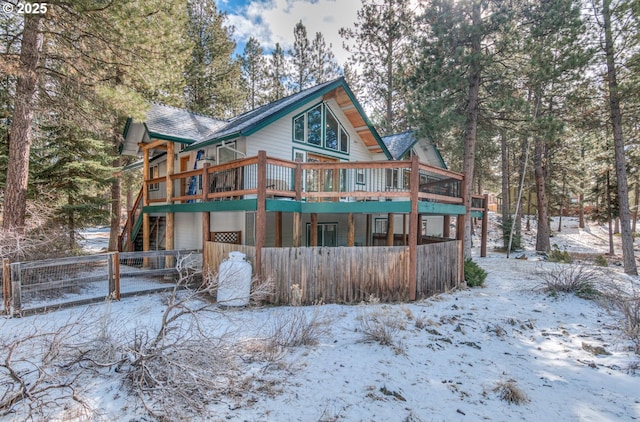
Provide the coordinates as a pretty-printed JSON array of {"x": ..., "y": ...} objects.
[
  {"x": 177, "y": 125},
  {"x": 400, "y": 143}
]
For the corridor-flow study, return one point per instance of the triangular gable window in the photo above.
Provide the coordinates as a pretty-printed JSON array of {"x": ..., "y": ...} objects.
[{"x": 318, "y": 126}]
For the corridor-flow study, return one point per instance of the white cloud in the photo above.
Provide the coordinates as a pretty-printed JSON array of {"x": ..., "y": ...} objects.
[{"x": 273, "y": 21}]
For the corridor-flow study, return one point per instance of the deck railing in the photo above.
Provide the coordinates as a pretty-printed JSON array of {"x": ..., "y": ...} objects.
[{"x": 350, "y": 181}]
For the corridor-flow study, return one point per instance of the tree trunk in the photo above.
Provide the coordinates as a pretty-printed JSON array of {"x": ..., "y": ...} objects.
[
  {"x": 471, "y": 124},
  {"x": 114, "y": 230},
  {"x": 636, "y": 203},
  {"x": 20, "y": 137},
  {"x": 618, "y": 140},
  {"x": 609, "y": 216},
  {"x": 505, "y": 188},
  {"x": 540, "y": 173}
]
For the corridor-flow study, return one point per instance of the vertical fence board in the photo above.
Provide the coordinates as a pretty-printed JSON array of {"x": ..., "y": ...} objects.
[{"x": 6, "y": 285}]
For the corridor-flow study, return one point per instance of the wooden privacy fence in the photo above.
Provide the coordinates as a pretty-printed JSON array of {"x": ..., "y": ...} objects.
[
  {"x": 39, "y": 285},
  {"x": 349, "y": 274}
]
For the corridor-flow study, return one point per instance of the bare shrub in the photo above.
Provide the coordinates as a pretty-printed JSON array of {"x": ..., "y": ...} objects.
[
  {"x": 627, "y": 301},
  {"x": 296, "y": 326},
  {"x": 571, "y": 278},
  {"x": 508, "y": 391},
  {"x": 35, "y": 377},
  {"x": 381, "y": 324}
]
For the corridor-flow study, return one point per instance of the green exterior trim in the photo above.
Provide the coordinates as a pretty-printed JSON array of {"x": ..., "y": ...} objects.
[
  {"x": 200, "y": 145},
  {"x": 476, "y": 214},
  {"x": 209, "y": 206},
  {"x": 356, "y": 207},
  {"x": 436, "y": 208},
  {"x": 274, "y": 205},
  {"x": 280, "y": 205},
  {"x": 155, "y": 135}
]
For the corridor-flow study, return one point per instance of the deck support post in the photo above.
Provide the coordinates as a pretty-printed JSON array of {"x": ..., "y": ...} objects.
[
  {"x": 351, "y": 234},
  {"x": 297, "y": 217},
  {"x": 485, "y": 226},
  {"x": 261, "y": 212},
  {"x": 460, "y": 236},
  {"x": 390, "y": 229},
  {"x": 278, "y": 229},
  {"x": 368, "y": 229},
  {"x": 446, "y": 227},
  {"x": 145, "y": 202},
  {"x": 206, "y": 215},
  {"x": 169, "y": 240},
  {"x": 414, "y": 186},
  {"x": 419, "y": 234},
  {"x": 314, "y": 229}
]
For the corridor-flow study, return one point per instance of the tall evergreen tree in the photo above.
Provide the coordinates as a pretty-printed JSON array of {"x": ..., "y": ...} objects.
[
  {"x": 277, "y": 74},
  {"x": 380, "y": 45},
  {"x": 112, "y": 57},
  {"x": 212, "y": 75},
  {"x": 300, "y": 59},
  {"x": 255, "y": 73},
  {"x": 618, "y": 135},
  {"x": 323, "y": 62}
]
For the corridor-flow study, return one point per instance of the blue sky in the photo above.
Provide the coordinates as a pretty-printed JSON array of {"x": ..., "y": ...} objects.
[{"x": 272, "y": 21}]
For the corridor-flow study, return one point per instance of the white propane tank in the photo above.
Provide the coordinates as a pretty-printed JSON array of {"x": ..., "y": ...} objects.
[{"x": 234, "y": 281}]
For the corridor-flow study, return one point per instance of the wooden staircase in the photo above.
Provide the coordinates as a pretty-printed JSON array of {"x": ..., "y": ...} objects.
[{"x": 131, "y": 237}]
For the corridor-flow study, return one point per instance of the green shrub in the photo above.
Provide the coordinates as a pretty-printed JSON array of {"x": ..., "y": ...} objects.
[
  {"x": 556, "y": 255},
  {"x": 601, "y": 261},
  {"x": 473, "y": 274}
]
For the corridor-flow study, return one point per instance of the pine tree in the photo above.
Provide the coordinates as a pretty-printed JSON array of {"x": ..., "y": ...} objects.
[
  {"x": 212, "y": 75},
  {"x": 300, "y": 58},
  {"x": 99, "y": 64},
  {"x": 380, "y": 45},
  {"x": 254, "y": 73},
  {"x": 277, "y": 74},
  {"x": 323, "y": 62},
  {"x": 618, "y": 136}
]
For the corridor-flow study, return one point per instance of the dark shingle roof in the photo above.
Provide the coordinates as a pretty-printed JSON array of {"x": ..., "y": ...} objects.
[
  {"x": 250, "y": 120},
  {"x": 399, "y": 143},
  {"x": 181, "y": 124}
]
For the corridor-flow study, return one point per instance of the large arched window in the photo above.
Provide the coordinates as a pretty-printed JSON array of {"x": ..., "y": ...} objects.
[{"x": 318, "y": 126}]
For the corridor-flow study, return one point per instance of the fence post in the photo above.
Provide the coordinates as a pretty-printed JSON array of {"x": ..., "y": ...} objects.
[
  {"x": 114, "y": 284},
  {"x": 16, "y": 287},
  {"x": 6, "y": 285}
]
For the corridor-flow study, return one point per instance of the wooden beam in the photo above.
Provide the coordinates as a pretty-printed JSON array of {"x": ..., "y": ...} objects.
[
  {"x": 169, "y": 239},
  {"x": 390, "y": 229},
  {"x": 485, "y": 227},
  {"x": 261, "y": 212},
  {"x": 419, "y": 239},
  {"x": 154, "y": 144},
  {"x": 351, "y": 235},
  {"x": 206, "y": 215},
  {"x": 414, "y": 186},
  {"x": 314, "y": 230},
  {"x": 404, "y": 230},
  {"x": 145, "y": 201},
  {"x": 297, "y": 217},
  {"x": 368, "y": 230},
  {"x": 446, "y": 227},
  {"x": 278, "y": 229}
]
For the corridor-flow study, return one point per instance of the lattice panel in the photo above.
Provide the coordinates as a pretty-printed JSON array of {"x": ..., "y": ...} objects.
[{"x": 227, "y": 237}]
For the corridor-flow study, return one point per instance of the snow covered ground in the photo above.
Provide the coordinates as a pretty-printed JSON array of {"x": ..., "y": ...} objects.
[{"x": 446, "y": 359}]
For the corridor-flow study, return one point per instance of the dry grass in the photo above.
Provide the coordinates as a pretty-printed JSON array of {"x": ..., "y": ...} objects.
[
  {"x": 297, "y": 326},
  {"x": 508, "y": 391},
  {"x": 381, "y": 324},
  {"x": 577, "y": 279}
]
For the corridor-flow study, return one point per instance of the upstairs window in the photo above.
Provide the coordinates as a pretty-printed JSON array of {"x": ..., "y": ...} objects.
[{"x": 318, "y": 126}]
